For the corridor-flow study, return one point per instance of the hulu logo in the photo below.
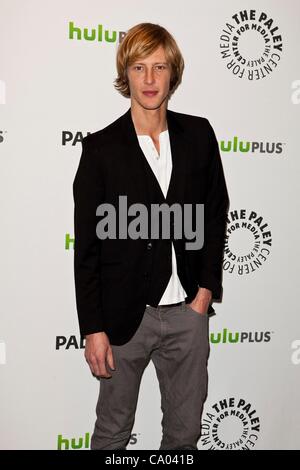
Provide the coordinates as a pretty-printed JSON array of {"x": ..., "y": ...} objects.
[
  {"x": 69, "y": 242},
  {"x": 224, "y": 337},
  {"x": 235, "y": 146},
  {"x": 94, "y": 34},
  {"x": 67, "y": 444}
]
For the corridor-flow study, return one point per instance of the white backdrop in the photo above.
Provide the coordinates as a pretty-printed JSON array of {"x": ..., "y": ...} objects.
[{"x": 55, "y": 87}]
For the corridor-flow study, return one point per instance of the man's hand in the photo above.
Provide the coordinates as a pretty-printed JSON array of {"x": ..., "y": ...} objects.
[
  {"x": 97, "y": 351},
  {"x": 201, "y": 301}
]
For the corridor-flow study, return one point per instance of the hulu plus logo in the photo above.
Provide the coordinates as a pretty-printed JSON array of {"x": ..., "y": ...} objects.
[
  {"x": 99, "y": 34},
  {"x": 227, "y": 336},
  {"x": 237, "y": 145}
]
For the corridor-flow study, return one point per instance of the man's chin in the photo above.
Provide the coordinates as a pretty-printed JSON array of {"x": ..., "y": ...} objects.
[{"x": 154, "y": 105}]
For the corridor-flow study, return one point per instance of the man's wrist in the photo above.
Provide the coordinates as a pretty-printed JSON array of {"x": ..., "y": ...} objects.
[
  {"x": 202, "y": 299},
  {"x": 203, "y": 294},
  {"x": 92, "y": 334}
]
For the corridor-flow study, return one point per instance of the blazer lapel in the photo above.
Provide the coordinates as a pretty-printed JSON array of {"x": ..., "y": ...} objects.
[{"x": 140, "y": 169}]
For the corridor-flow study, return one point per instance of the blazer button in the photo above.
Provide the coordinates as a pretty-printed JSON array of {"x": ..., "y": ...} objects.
[{"x": 149, "y": 246}]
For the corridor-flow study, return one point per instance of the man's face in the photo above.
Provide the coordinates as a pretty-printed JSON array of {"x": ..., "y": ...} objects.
[{"x": 150, "y": 74}]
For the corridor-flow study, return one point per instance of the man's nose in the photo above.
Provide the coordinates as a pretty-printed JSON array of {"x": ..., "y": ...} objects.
[{"x": 149, "y": 75}]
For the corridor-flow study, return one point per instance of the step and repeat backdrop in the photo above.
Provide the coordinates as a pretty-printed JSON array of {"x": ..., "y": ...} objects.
[{"x": 57, "y": 67}]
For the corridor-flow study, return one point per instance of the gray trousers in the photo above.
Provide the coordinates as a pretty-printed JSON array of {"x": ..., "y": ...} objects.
[{"x": 176, "y": 339}]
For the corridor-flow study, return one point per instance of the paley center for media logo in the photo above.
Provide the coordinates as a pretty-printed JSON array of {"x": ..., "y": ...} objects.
[
  {"x": 231, "y": 424},
  {"x": 248, "y": 242},
  {"x": 251, "y": 44}
]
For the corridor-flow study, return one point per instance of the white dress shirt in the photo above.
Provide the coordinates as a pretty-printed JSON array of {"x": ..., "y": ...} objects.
[{"x": 161, "y": 165}]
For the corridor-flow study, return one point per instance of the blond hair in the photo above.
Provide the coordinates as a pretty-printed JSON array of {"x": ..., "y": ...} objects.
[{"x": 140, "y": 41}]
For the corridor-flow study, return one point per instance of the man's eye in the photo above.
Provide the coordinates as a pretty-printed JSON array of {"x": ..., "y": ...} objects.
[{"x": 140, "y": 67}]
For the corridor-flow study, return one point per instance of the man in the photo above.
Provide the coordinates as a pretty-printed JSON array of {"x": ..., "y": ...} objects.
[{"x": 142, "y": 299}]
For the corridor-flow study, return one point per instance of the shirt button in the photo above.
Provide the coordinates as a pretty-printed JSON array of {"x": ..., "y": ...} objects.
[{"x": 149, "y": 246}]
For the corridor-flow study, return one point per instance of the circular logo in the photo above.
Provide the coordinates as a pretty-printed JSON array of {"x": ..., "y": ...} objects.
[
  {"x": 232, "y": 424},
  {"x": 248, "y": 242},
  {"x": 251, "y": 45}
]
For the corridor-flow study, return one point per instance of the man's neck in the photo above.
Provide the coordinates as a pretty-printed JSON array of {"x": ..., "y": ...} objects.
[{"x": 149, "y": 121}]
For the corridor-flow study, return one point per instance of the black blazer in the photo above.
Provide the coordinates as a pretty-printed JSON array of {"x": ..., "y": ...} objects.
[{"x": 115, "y": 279}]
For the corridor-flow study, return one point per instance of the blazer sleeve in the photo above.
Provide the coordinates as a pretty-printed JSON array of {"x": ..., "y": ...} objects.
[
  {"x": 215, "y": 218},
  {"x": 88, "y": 193}
]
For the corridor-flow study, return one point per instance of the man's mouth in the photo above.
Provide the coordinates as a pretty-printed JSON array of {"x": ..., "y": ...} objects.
[{"x": 150, "y": 93}]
